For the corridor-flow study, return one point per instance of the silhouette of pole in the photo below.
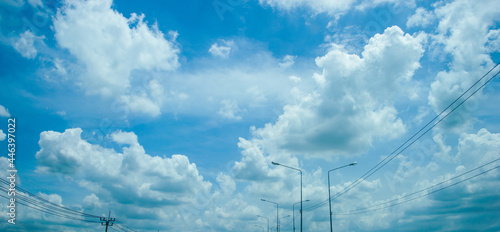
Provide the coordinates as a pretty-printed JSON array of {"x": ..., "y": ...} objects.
[
  {"x": 293, "y": 213},
  {"x": 107, "y": 221},
  {"x": 267, "y": 221},
  {"x": 278, "y": 164},
  {"x": 277, "y": 214},
  {"x": 329, "y": 197}
]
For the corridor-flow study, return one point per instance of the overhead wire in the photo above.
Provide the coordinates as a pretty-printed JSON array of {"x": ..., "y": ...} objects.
[
  {"x": 125, "y": 225},
  {"x": 49, "y": 211},
  {"x": 43, "y": 203},
  {"x": 400, "y": 149},
  {"x": 360, "y": 211},
  {"x": 28, "y": 199}
]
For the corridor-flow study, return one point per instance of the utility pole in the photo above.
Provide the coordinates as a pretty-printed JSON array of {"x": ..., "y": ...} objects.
[{"x": 107, "y": 221}]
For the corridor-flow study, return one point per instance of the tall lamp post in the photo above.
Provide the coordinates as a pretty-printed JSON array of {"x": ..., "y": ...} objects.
[
  {"x": 293, "y": 213},
  {"x": 329, "y": 197},
  {"x": 278, "y": 164},
  {"x": 277, "y": 214},
  {"x": 267, "y": 221},
  {"x": 284, "y": 217},
  {"x": 260, "y": 227}
]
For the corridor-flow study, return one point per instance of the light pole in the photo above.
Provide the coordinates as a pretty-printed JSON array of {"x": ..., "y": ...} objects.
[
  {"x": 277, "y": 214},
  {"x": 278, "y": 164},
  {"x": 329, "y": 197},
  {"x": 260, "y": 227},
  {"x": 293, "y": 213},
  {"x": 284, "y": 217},
  {"x": 267, "y": 221}
]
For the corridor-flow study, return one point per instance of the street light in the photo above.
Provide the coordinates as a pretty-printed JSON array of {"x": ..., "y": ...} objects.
[
  {"x": 277, "y": 214},
  {"x": 267, "y": 221},
  {"x": 281, "y": 224},
  {"x": 260, "y": 227},
  {"x": 278, "y": 164},
  {"x": 293, "y": 210},
  {"x": 329, "y": 197}
]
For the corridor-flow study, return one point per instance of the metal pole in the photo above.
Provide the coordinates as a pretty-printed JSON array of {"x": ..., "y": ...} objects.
[
  {"x": 300, "y": 200},
  {"x": 267, "y": 221},
  {"x": 329, "y": 197},
  {"x": 278, "y": 164},
  {"x": 277, "y": 219},
  {"x": 293, "y": 217},
  {"x": 277, "y": 214},
  {"x": 330, "y": 203}
]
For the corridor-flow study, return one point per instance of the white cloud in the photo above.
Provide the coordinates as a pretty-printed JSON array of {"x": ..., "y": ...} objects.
[
  {"x": 92, "y": 201},
  {"x": 14, "y": 3},
  {"x": 25, "y": 45},
  {"x": 353, "y": 105},
  {"x": 356, "y": 102},
  {"x": 36, "y": 3},
  {"x": 227, "y": 183},
  {"x": 476, "y": 149},
  {"x": 320, "y": 6},
  {"x": 2, "y": 135},
  {"x": 442, "y": 150},
  {"x": 229, "y": 109},
  {"x": 222, "y": 49},
  {"x": 287, "y": 61},
  {"x": 128, "y": 177},
  {"x": 249, "y": 85},
  {"x": 421, "y": 18},
  {"x": 337, "y": 7},
  {"x": 110, "y": 47},
  {"x": 4, "y": 112},
  {"x": 367, "y": 4},
  {"x": 253, "y": 165},
  {"x": 463, "y": 32}
]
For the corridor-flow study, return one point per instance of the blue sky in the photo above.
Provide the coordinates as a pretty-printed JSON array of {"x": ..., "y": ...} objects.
[{"x": 169, "y": 113}]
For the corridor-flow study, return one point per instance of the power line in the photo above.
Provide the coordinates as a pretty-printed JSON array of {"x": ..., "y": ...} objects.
[
  {"x": 123, "y": 224},
  {"x": 369, "y": 209},
  {"x": 397, "y": 151},
  {"x": 28, "y": 199},
  {"x": 361, "y": 211},
  {"x": 123, "y": 229},
  {"x": 39, "y": 201},
  {"x": 422, "y": 190},
  {"x": 49, "y": 211}
]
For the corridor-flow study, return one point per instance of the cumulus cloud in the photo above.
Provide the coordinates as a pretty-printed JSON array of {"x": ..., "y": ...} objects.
[
  {"x": 222, "y": 49},
  {"x": 25, "y": 45},
  {"x": 35, "y": 3},
  {"x": 229, "y": 109},
  {"x": 110, "y": 47},
  {"x": 14, "y": 3},
  {"x": 464, "y": 32},
  {"x": 287, "y": 61},
  {"x": 485, "y": 143},
  {"x": 2, "y": 135},
  {"x": 421, "y": 18},
  {"x": 458, "y": 208},
  {"x": 320, "y": 6},
  {"x": 356, "y": 102},
  {"x": 128, "y": 177},
  {"x": 336, "y": 8},
  {"x": 4, "y": 112},
  {"x": 460, "y": 205}
]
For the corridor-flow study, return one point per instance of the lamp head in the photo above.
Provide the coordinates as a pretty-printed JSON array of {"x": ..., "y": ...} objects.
[
  {"x": 274, "y": 163},
  {"x": 352, "y": 164}
]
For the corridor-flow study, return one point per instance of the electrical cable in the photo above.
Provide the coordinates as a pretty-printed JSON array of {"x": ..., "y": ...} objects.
[{"x": 396, "y": 152}]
